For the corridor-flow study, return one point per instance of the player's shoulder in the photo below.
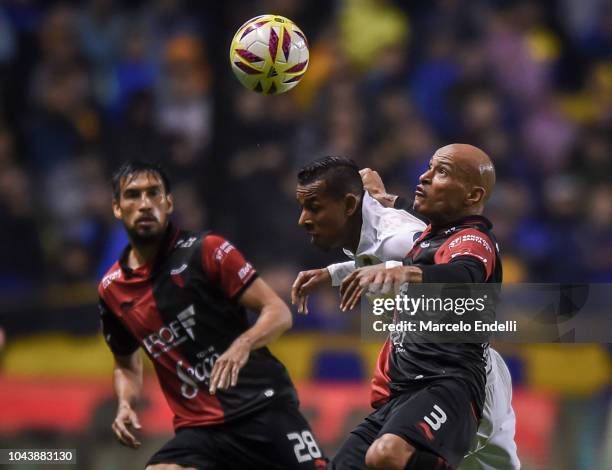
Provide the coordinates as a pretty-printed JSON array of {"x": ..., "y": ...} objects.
[
  {"x": 477, "y": 222},
  {"x": 391, "y": 218},
  {"x": 470, "y": 237},
  {"x": 399, "y": 222},
  {"x": 206, "y": 240},
  {"x": 473, "y": 225},
  {"x": 412, "y": 215},
  {"x": 188, "y": 239},
  {"x": 468, "y": 229},
  {"x": 211, "y": 238},
  {"x": 113, "y": 273},
  {"x": 216, "y": 245}
]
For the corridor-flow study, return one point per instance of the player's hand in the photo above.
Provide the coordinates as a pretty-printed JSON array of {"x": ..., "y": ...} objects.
[
  {"x": 305, "y": 283},
  {"x": 354, "y": 285},
  {"x": 225, "y": 371},
  {"x": 373, "y": 184},
  {"x": 376, "y": 279},
  {"x": 124, "y": 425}
]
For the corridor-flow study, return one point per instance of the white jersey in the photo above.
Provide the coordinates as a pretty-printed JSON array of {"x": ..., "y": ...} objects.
[
  {"x": 493, "y": 447},
  {"x": 387, "y": 235}
]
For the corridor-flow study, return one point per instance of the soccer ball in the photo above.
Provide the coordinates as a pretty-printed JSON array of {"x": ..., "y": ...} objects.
[{"x": 269, "y": 54}]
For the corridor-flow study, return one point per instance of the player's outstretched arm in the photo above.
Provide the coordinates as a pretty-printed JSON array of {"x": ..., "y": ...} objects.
[
  {"x": 274, "y": 319},
  {"x": 378, "y": 280},
  {"x": 373, "y": 184},
  {"x": 306, "y": 283},
  {"x": 127, "y": 379}
]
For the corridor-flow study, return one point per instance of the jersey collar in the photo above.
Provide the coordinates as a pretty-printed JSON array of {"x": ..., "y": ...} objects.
[{"x": 463, "y": 221}]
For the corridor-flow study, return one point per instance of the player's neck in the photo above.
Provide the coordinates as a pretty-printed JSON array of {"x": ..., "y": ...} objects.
[
  {"x": 443, "y": 222},
  {"x": 354, "y": 232},
  {"x": 143, "y": 254}
]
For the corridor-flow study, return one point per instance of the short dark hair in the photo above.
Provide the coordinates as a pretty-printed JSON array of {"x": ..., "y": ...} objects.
[
  {"x": 341, "y": 175},
  {"x": 133, "y": 167}
]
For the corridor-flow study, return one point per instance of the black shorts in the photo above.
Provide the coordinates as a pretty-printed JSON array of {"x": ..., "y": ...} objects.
[
  {"x": 277, "y": 437},
  {"x": 438, "y": 418}
]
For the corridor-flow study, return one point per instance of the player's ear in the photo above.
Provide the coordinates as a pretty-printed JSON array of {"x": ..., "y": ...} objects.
[
  {"x": 170, "y": 203},
  {"x": 351, "y": 204},
  {"x": 475, "y": 196},
  {"x": 116, "y": 209}
]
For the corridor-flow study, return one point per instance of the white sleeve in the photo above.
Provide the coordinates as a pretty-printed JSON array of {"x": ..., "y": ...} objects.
[
  {"x": 397, "y": 246},
  {"x": 339, "y": 271}
]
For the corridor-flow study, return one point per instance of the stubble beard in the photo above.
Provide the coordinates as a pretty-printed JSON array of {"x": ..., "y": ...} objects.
[{"x": 145, "y": 237}]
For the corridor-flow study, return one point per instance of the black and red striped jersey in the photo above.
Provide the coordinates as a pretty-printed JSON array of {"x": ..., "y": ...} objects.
[
  {"x": 404, "y": 363},
  {"x": 183, "y": 311}
]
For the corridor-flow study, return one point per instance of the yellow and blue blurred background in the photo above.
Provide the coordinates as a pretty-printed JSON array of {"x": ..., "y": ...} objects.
[{"x": 85, "y": 85}]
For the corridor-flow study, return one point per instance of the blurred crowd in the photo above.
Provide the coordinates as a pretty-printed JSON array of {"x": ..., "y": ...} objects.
[{"x": 86, "y": 85}]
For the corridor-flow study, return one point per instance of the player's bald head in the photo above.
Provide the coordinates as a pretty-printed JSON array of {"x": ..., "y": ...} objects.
[
  {"x": 475, "y": 167},
  {"x": 457, "y": 184}
]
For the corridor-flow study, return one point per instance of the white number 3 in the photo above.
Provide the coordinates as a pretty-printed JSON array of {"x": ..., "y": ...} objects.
[{"x": 306, "y": 448}]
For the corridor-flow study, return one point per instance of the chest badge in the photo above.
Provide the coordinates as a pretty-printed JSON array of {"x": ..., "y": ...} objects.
[{"x": 425, "y": 244}]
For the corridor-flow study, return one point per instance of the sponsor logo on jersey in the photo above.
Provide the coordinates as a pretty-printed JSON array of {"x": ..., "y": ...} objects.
[
  {"x": 245, "y": 271},
  {"x": 223, "y": 250},
  {"x": 109, "y": 278},
  {"x": 470, "y": 238},
  {"x": 192, "y": 376},
  {"x": 171, "y": 335},
  {"x": 186, "y": 317},
  {"x": 397, "y": 339},
  {"x": 186, "y": 243},
  {"x": 425, "y": 244}
]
